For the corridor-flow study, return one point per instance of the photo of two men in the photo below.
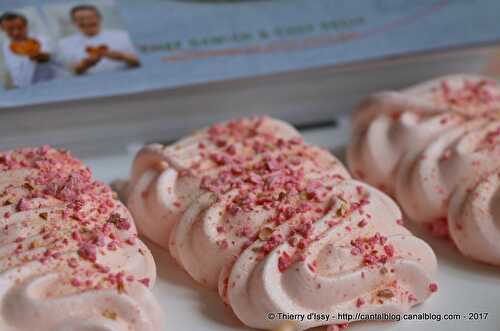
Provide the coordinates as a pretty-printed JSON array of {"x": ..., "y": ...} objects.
[{"x": 30, "y": 57}]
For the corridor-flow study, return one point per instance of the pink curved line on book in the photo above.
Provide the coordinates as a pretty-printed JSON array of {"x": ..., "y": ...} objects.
[{"x": 307, "y": 43}]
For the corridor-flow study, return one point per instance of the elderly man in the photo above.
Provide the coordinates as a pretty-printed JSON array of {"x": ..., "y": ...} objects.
[
  {"x": 27, "y": 57},
  {"x": 94, "y": 49}
]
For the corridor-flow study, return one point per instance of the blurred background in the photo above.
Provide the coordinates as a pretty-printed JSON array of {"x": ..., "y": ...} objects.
[{"x": 191, "y": 63}]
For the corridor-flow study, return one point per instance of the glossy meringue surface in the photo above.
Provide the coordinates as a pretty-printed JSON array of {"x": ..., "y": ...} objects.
[
  {"x": 427, "y": 146},
  {"x": 276, "y": 224},
  {"x": 70, "y": 258}
]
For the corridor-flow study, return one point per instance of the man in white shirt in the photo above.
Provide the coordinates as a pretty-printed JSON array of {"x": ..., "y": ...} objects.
[
  {"x": 27, "y": 57},
  {"x": 93, "y": 49}
]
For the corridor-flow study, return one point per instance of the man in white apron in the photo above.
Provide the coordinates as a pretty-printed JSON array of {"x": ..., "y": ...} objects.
[{"x": 94, "y": 49}]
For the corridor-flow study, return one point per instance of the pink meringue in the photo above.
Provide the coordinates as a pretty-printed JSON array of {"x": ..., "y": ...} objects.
[
  {"x": 277, "y": 224},
  {"x": 426, "y": 142},
  {"x": 69, "y": 253}
]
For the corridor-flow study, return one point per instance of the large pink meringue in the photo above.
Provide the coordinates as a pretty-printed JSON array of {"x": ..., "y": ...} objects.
[
  {"x": 426, "y": 142},
  {"x": 69, "y": 254},
  {"x": 277, "y": 225}
]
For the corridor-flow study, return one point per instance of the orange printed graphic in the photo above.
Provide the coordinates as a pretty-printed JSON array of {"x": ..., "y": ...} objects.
[
  {"x": 97, "y": 50},
  {"x": 28, "y": 47}
]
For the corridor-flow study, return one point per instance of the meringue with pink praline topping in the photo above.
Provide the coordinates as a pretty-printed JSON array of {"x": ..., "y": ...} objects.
[
  {"x": 277, "y": 225},
  {"x": 427, "y": 145},
  {"x": 70, "y": 258}
]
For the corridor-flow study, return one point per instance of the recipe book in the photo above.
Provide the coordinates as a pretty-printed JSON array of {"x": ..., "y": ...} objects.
[{"x": 74, "y": 71}]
